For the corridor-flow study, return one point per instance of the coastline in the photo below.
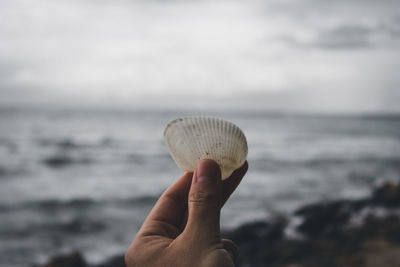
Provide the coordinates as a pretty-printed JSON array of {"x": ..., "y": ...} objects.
[{"x": 363, "y": 232}]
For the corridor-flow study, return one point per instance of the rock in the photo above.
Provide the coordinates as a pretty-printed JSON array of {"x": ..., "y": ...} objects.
[
  {"x": 329, "y": 237},
  {"x": 256, "y": 241},
  {"x": 387, "y": 195},
  {"x": 116, "y": 261},
  {"x": 324, "y": 219},
  {"x": 74, "y": 259}
]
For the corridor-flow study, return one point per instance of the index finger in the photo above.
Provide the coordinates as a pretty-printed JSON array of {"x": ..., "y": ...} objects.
[
  {"x": 229, "y": 185},
  {"x": 167, "y": 214}
]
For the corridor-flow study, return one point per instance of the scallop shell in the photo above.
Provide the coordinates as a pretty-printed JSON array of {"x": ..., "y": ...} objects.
[{"x": 192, "y": 139}]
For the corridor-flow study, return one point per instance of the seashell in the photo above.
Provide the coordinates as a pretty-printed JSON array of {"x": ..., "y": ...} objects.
[{"x": 192, "y": 139}]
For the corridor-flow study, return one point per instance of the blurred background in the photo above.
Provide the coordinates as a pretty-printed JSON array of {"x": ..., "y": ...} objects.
[{"x": 87, "y": 87}]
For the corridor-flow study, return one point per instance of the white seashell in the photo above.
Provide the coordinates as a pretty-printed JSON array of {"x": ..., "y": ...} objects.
[{"x": 192, "y": 139}]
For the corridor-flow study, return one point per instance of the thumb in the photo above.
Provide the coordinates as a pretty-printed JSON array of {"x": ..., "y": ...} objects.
[{"x": 205, "y": 201}]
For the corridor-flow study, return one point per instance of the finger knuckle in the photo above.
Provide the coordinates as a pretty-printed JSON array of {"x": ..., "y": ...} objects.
[{"x": 203, "y": 198}]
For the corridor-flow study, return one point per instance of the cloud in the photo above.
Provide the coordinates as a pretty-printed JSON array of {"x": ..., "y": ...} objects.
[
  {"x": 392, "y": 27},
  {"x": 345, "y": 37},
  {"x": 338, "y": 25},
  {"x": 357, "y": 36},
  {"x": 120, "y": 51}
]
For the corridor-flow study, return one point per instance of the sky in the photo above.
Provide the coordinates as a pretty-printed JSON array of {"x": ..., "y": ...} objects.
[{"x": 307, "y": 55}]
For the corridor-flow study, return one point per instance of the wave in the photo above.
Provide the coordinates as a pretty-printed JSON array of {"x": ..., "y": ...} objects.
[
  {"x": 6, "y": 172},
  {"x": 51, "y": 205},
  {"x": 141, "y": 157},
  {"x": 56, "y": 226},
  {"x": 268, "y": 163},
  {"x": 9, "y": 145},
  {"x": 57, "y": 161},
  {"x": 70, "y": 144}
]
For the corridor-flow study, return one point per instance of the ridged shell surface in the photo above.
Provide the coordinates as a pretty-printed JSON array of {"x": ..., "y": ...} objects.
[{"x": 192, "y": 139}]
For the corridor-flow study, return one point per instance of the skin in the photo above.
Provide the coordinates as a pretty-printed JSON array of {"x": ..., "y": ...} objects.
[{"x": 183, "y": 228}]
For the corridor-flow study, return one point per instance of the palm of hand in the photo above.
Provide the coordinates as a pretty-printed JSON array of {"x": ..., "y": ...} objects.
[{"x": 183, "y": 227}]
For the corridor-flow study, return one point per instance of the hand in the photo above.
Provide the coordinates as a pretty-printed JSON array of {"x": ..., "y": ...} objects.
[{"x": 183, "y": 227}]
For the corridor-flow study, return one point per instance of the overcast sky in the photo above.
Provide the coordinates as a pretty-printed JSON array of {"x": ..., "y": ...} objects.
[{"x": 313, "y": 55}]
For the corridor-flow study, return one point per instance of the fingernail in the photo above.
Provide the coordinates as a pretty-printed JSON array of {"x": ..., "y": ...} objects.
[{"x": 207, "y": 171}]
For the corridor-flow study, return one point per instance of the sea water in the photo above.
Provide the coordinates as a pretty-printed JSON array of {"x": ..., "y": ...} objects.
[{"x": 86, "y": 179}]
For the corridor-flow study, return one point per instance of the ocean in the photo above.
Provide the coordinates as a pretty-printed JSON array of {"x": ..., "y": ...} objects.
[{"x": 85, "y": 179}]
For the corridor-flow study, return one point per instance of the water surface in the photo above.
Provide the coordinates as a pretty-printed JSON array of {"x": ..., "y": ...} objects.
[{"x": 85, "y": 179}]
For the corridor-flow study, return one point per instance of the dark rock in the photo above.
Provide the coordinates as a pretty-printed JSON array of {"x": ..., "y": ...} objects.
[
  {"x": 251, "y": 231},
  {"x": 256, "y": 241},
  {"x": 73, "y": 259},
  {"x": 387, "y": 195},
  {"x": 324, "y": 219},
  {"x": 117, "y": 261},
  {"x": 330, "y": 240}
]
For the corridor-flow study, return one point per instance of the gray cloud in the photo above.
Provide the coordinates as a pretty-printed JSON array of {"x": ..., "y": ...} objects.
[
  {"x": 392, "y": 27},
  {"x": 345, "y": 37},
  {"x": 355, "y": 36},
  {"x": 292, "y": 51},
  {"x": 338, "y": 25},
  {"x": 349, "y": 37}
]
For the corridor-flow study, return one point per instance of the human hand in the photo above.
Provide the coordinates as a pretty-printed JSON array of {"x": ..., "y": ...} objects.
[{"x": 183, "y": 228}]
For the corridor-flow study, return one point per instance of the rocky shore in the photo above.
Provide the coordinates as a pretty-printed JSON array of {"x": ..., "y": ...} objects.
[{"x": 364, "y": 232}]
